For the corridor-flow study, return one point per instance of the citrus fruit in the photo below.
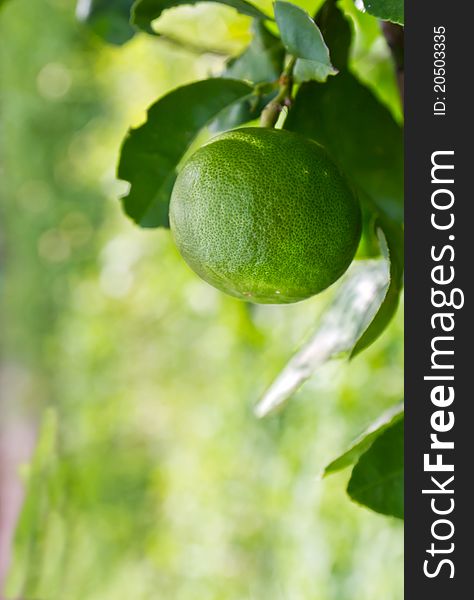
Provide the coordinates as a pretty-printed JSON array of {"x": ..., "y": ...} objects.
[{"x": 264, "y": 215}]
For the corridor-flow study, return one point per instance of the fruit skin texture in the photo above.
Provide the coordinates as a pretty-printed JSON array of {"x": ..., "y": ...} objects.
[{"x": 264, "y": 215}]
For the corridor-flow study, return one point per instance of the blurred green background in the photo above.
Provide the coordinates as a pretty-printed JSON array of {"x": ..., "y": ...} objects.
[{"x": 152, "y": 477}]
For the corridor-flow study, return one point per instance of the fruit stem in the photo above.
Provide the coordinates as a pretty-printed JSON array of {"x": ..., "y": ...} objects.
[{"x": 272, "y": 110}]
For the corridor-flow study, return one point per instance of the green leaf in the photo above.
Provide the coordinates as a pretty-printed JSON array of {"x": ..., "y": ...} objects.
[
  {"x": 311, "y": 70},
  {"x": 302, "y": 38},
  {"x": 352, "y": 308},
  {"x": 110, "y": 19},
  {"x": 387, "y": 10},
  {"x": 360, "y": 134},
  {"x": 150, "y": 154},
  {"x": 365, "y": 440},
  {"x": 146, "y": 11},
  {"x": 261, "y": 61},
  {"x": 377, "y": 480},
  {"x": 364, "y": 139},
  {"x": 394, "y": 251},
  {"x": 240, "y": 113},
  {"x": 336, "y": 31}
]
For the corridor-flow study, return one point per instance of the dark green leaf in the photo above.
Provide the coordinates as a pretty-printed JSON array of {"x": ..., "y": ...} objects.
[
  {"x": 377, "y": 479},
  {"x": 150, "y": 154},
  {"x": 352, "y": 308},
  {"x": 336, "y": 31},
  {"x": 359, "y": 133},
  {"x": 393, "y": 234},
  {"x": 363, "y": 137},
  {"x": 365, "y": 440},
  {"x": 302, "y": 38},
  {"x": 110, "y": 19},
  {"x": 242, "y": 112},
  {"x": 146, "y": 11},
  {"x": 387, "y": 10}
]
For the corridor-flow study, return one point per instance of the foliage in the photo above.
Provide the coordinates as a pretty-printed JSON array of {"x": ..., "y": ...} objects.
[
  {"x": 261, "y": 61},
  {"x": 303, "y": 40},
  {"x": 377, "y": 478},
  {"x": 352, "y": 309},
  {"x": 388, "y": 10},
  {"x": 339, "y": 112},
  {"x": 152, "y": 476},
  {"x": 360, "y": 134},
  {"x": 365, "y": 440},
  {"x": 146, "y": 11},
  {"x": 392, "y": 246},
  {"x": 108, "y": 18},
  {"x": 151, "y": 153}
]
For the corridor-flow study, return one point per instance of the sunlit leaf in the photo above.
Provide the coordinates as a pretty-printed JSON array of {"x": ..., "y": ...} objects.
[
  {"x": 302, "y": 38},
  {"x": 377, "y": 479},
  {"x": 347, "y": 317},
  {"x": 363, "y": 442},
  {"x": 146, "y": 11},
  {"x": 151, "y": 153},
  {"x": 387, "y": 10},
  {"x": 393, "y": 244}
]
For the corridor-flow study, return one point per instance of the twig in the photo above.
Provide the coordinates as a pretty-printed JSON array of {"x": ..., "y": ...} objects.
[{"x": 273, "y": 109}]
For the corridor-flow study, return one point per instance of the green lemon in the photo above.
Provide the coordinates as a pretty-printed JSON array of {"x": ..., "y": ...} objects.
[{"x": 264, "y": 215}]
